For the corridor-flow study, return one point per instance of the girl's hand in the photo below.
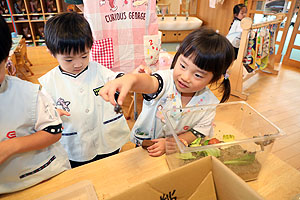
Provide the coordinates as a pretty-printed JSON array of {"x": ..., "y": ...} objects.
[
  {"x": 122, "y": 85},
  {"x": 62, "y": 112},
  {"x": 157, "y": 149},
  {"x": 142, "y": 69}
]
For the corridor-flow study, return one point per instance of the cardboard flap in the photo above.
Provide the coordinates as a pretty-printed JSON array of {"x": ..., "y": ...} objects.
[
  {"x": 228, "y": 183},
  {"x": 180, "y": 183},
  {"x": 204, "y": 179},
  {"x": 206, "y": 190}
]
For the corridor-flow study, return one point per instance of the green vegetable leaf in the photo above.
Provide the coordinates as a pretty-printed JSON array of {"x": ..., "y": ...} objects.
[
  {"x": 228, "y": 138},
  {"x": 213, "y": 152},
  {"x": 187, "y": 156},
  {"x": 196, "y": 143},
  {"x": 246, "y": 159}
]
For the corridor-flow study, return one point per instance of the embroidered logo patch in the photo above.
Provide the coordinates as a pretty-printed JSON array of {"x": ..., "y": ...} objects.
[
  {"x": 96, "y": 90},
  {"x": 11, "y": 134},
  {"x": 64, "y": 104}
]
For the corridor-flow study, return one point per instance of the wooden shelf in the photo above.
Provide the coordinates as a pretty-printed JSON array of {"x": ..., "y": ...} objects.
[{"x": 32, "y": 20}]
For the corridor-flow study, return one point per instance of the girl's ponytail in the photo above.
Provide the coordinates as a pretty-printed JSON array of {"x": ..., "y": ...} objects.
[{"x": 226, "y": 88}]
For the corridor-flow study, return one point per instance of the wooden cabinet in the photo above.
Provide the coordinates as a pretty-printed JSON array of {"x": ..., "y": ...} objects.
[
  {"x": 174, "y": 36},
  {"x": 28, "y": 17}
]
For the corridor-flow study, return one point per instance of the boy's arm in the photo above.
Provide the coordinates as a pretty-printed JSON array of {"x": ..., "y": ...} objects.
[
  {"x": 141, "y": 83},
  {"x": 48, "y": 126},
  {"x": 36, "y": 141}
]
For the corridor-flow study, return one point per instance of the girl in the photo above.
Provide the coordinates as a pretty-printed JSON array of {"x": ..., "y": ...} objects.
[
  {"x": 202, "y": 59},
  {"x": 235, "y": 31}
]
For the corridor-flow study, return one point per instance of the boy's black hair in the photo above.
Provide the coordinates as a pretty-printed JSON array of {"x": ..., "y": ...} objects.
[
  {"x": 66, "y": 32},
  {"x": 237, "y": 8},
  {"x": 211, "y": 52},
  {"x": 5, "y": 39}
]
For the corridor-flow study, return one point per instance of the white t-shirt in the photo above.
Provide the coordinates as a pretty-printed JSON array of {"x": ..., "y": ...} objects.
[
  {"x": 151, "y": 123},
  {"x": 93, "y": 127},
  {"x": 235, "y": 32},
  {"x": 25, "y": 110}
]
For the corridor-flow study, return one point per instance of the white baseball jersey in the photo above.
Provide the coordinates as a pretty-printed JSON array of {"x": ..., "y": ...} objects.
[
  {"x": 151, "y": 123},
  {"x": 93, "y": 127},
  {"x": 24, "y": 110}
]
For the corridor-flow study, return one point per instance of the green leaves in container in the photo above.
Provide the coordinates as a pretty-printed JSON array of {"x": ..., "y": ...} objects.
[
  {"x": 196, "y": 143},
  {"x": 248, "y": 158},
  {"x": 187, "y": 156}
]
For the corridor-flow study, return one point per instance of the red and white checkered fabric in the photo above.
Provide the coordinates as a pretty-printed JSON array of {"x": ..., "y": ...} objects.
[
  {"x": 102, "y": 52},
  {"x": 125, "y": 23}
]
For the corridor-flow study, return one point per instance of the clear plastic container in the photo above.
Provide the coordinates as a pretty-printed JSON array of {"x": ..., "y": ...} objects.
[{"x": 246, "y": 137}]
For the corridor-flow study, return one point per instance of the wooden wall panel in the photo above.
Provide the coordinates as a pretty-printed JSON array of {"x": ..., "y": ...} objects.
[{"x": 218, "y": 18}]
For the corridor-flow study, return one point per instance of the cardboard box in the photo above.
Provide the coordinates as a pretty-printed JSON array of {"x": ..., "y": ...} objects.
[
  {"x": 247, "y": 136},
  {"x": 204, "y": 179}
]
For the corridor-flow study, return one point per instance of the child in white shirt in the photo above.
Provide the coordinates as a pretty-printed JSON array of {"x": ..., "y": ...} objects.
[
  {"x": 93, "y": 130},
  {"x": 30, "y": 129},
  {"x": 202, "y": 59},
  {"x": 235, "y": 31}
]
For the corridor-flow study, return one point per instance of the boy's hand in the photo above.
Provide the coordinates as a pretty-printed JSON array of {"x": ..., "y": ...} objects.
[
  {"x": 142, "y": 69},
  {"x": 157, "y": 149},
  {"x": 62, "y": 112}
]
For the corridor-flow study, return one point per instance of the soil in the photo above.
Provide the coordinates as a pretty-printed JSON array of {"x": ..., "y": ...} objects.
[{"x": 247, "y": 172}]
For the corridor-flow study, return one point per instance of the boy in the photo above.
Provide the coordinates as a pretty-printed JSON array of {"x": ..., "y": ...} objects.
[
  {"x": 93, "y": 130},
  {"x": 30, "y": 129}
]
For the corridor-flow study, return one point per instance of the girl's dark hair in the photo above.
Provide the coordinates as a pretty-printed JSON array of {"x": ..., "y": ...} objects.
[
  {"x": 5, "y": 41},
  {"x": 211, "y": 52},
  {"x": 237, "y": 8},
  {"x": 66, "y": 32}
]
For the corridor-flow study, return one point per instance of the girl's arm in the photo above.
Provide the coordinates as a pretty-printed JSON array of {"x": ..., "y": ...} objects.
[
  {"x": 141, "y": 83},
  {"x": 159, "y": 147},
  {"x": 36, "y": 141}
]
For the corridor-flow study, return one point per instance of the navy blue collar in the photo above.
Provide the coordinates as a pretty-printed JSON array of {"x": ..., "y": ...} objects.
[{"x": 72, "y": 75}]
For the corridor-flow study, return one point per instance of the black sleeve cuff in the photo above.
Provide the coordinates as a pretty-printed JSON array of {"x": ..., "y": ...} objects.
[
  {"x": 196, "y": 133},
  {"x": 149, "y": 97},
  {"x": 56, "y": 129}
]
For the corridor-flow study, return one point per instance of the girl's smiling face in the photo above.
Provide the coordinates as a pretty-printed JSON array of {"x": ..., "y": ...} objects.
[{"x": 188, "y": 77}]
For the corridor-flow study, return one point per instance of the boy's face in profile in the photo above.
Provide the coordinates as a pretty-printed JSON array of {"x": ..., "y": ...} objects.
[
  {"x": 73, "y": 63},
  {"x": 2, "y": 70}
]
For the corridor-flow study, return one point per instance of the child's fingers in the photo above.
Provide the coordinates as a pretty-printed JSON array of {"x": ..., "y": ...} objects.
[
  {"x": 155, "y": 152},
  {"x": 155, "y": 140},
  {"x": 62, "y": 112},
  {"x": 111, "y": 95},
  {"x": 147, "y": 70},
  {"x": 104, "y": 93},
  {"x": 65, "y": 113},
  {"x": 123, "y": 93}
]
